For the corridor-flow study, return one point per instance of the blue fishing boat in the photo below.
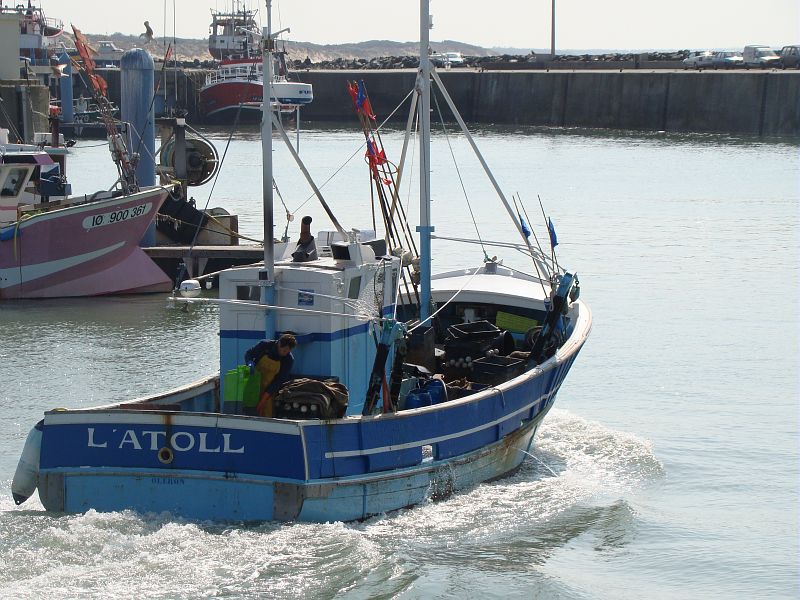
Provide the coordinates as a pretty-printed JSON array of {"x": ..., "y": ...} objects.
[{"x": 406, "y": 386}]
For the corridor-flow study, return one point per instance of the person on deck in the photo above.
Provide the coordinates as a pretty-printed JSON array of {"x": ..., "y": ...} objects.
[{"x": 274, "y": 360}]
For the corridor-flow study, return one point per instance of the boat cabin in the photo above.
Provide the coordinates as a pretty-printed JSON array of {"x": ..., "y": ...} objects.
[
  {"x": 29, "y": 176},
  {"x": 326, "y": 303}
]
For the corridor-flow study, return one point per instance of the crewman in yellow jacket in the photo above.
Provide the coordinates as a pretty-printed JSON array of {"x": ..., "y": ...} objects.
[{"x": 274, "y": 360}]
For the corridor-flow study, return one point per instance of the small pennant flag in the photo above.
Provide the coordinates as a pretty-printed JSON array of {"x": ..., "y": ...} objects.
[
  {"x": 552, "y": 231},
  {"x": 525, "y": 229}
]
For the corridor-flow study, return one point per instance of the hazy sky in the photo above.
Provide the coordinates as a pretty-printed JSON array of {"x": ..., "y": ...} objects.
[{"x": 614, "y": 24}]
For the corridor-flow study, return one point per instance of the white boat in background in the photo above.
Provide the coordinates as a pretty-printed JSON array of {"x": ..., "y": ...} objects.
[
  {"x": 38, "y": 36},
  {"x": 108, "y": 54},
  {"x": 236, "y": 87},
  {"x": 408, "y": 387}
]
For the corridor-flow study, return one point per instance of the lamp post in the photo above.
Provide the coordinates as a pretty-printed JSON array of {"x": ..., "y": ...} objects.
[{"x": 553, "y": 30}]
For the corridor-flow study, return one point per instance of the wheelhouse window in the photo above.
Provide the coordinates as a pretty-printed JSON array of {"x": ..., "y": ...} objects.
[
  {"x": 355, "y": 287},
  {"x": 248, "y": 292},
  {"x": 13, "y": 182}
]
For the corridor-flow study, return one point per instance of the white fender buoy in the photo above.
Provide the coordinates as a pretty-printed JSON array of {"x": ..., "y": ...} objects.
[
  {"x": 190, "y": 288},
  {"x": 26, "y": 477}
]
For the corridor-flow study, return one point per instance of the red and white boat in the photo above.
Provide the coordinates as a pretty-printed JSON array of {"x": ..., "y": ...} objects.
[
  {"x": 56, "y": 245},
  {"x": 237, "y": 86}
]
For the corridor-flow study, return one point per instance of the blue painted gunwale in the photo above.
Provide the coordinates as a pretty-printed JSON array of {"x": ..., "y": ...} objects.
[{"x": 355, "y": 454}]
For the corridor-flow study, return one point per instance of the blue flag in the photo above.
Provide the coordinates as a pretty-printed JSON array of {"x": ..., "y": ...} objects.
[
  {"x": 552, "y": 231},
  {"x": 524, "y": 227}
]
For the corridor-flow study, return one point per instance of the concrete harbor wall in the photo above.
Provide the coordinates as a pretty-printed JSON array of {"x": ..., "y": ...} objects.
[
  {"x": 756, "y": 103},
  {"x": 23, "y": 109},
  {"x": 736, "y": 102}
]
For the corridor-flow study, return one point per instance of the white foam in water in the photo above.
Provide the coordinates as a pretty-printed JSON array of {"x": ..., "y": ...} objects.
[
  {"x": 124, "y": 554},
  {"x": 589, "y": 460}
]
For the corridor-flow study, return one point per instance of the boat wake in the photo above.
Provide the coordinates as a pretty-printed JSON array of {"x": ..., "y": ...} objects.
[
  {"x": 574, "y": 462},
  {"x": 575, "y": 483}
]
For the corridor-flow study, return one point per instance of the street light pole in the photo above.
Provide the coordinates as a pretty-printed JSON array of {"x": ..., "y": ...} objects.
[{"x": 553, "y": 30}]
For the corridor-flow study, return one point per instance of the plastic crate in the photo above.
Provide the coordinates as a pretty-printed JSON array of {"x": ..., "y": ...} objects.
[
  {"x": 462, "y": 348},
  {"x": 496, "y": 369},
  {"x": 474, "y": 330}
]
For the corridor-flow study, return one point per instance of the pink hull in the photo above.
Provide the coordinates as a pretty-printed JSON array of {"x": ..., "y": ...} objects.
[{"x": 83, "y": 250}]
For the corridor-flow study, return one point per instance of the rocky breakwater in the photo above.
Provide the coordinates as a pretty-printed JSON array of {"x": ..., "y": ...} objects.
[
  {"x": 345, "y": 64},
  {"x": 501, "y": 61}
]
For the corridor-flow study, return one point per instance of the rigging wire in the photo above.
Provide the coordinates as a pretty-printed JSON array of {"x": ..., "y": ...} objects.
[
  {"x": 270, "y": 307},
  {"x": 547, "y": 224},
  {"x": 9, "y": 120},
  {"x": 536, "y": 239},
  {"x": 352, "y": 156},
  {"x": 453, "y": 297},
  {"x": 460, "y": 180},
  {"x": 250, "y": 77}
]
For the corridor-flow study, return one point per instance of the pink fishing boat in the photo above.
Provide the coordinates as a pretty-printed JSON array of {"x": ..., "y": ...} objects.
[{"x": 56, "y": 245}]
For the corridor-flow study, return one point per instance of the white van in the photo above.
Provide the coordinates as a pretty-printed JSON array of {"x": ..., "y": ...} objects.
[{"x": 760, "y": 56}]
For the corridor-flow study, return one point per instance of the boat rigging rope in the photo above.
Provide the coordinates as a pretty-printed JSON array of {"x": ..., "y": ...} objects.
[
  {"x": 535, "y": 238},
  {"x": 139, "y": 146},
  {"x": 351, "y": 302},
  {"x": 217, "y": 222},
  {"x": 460, "y": 180},
  {"x": 9, "y": 120},
  {"x": 353, "y": 155},
  {"x": 280, "y": 197},
  {"x": 250, "y": 77},
  {"x": 453, "y": 297},
  {"x": 265, "y": 307}
]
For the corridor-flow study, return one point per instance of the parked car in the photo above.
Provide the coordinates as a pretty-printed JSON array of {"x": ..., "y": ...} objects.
[
  {"x": 790, "y": 56},
  {"x": 727, "y": 59},
  {"x": 699, "y": 60},
  {"x": 760, "y": 56},
  {"x": 453, "y": 59}
]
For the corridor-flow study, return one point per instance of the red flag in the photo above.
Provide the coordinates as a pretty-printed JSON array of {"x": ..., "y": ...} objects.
[
  {"x": 362, "y": 100},
  {"x": 99, "y": 84},
  {"x": 82, "y": 44},
  {"x": 352, "y": 88}
]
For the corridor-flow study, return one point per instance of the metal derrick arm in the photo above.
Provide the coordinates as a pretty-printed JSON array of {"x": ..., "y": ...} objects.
[{"x": 126, "y": 165}]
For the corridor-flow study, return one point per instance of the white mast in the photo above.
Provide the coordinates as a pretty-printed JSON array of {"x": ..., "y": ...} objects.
[
  {"x": 267, "y": 275},
  {"x": 425, "y": 229}
]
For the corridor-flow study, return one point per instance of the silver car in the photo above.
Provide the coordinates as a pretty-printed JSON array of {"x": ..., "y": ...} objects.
[
  {"x": 727, "y": 59},
  {"x": 699, "y": 60}
]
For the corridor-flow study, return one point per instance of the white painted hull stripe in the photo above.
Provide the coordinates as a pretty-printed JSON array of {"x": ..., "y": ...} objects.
[
  {"x": 137, "y": 417},
  {"x": 434, "y": 440},
  {"x": 14, "y": 275}
]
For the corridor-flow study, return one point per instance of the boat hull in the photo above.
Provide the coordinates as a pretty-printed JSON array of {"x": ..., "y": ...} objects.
[
  {"x": 220, "y": 101},
  {"x": 176, "y": 452},
  {"x": 85, "y": 249},
  {"x": 236, "y": 497}
]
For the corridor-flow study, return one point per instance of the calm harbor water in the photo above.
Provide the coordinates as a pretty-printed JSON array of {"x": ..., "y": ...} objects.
[{"x": 669, "y": 468}]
